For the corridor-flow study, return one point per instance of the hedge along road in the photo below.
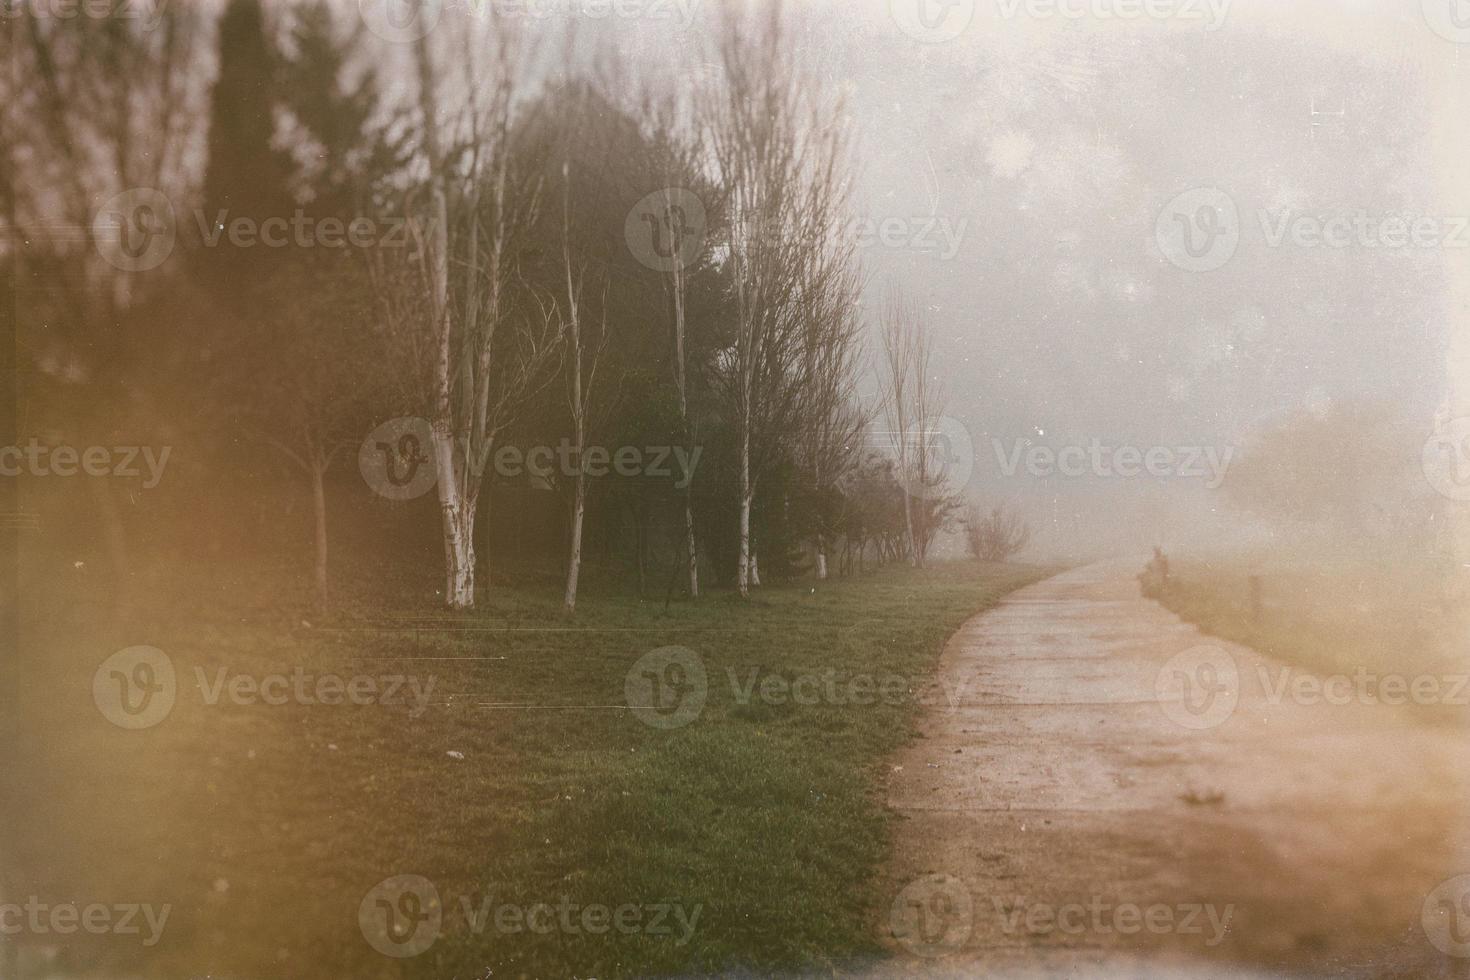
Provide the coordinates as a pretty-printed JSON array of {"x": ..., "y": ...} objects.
[{"x": 1120, "y": 794}]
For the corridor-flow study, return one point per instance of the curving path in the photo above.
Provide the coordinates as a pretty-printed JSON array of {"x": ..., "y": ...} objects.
[{"x": 1105, "y": 798}]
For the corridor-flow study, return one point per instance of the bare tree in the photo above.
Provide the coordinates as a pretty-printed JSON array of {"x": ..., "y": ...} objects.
[
  {"x": 680, "y": 159},
  {"x": 833, "y": 419},
  {"x": 483, "y": 356},
  {"x": 995, "y": 536},
  {"x": 778, "y": 153},
  {"x": 584, "y": 352},
  {"x": 902, "y": 330}
]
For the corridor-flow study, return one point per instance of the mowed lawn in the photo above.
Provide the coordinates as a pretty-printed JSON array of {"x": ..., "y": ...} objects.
[{"x": 746, "y": 839}]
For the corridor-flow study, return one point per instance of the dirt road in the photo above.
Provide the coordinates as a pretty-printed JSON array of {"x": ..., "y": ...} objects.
[{"x": 1114, "y": 793}]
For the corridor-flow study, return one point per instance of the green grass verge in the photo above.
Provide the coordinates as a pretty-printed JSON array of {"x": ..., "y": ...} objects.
[
  {"x": 1327, "y": 616},
  {"x": 265, "y": 826}
]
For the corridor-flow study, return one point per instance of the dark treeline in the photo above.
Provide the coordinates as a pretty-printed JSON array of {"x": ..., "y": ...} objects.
[{"x": 468, "y": 233}]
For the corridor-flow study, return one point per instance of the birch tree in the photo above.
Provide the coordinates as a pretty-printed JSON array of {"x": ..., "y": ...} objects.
[
  {"x": 584, "y": 350},
  {"x": 483, "y": 354},
  {"x": 777, "y": 147}
]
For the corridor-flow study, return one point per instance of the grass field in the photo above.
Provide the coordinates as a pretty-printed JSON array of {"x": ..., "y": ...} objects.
[
  {"x": 745, "y": 839},
  {"x": 1327, "y": 616}
]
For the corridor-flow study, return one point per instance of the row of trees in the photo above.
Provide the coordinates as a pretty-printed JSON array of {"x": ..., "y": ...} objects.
[{"x": 506, "y": 296}]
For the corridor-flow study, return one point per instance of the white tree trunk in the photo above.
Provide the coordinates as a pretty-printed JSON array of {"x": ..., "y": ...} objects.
[
  {"x": 742, "y": 573},
  {"x": 755, "y": 571},
  {"x": 319, "y": 513},
  {"x": 693, "y": 552},
  {"x": 574, "y": 558},
  {"x": 821, "y": 564},
  {"x": 458, "y": 511}
]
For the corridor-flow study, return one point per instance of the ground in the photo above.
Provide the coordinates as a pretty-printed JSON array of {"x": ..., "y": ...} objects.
[
  {"x": 1075, "y": 772},
  {"x": 524, "y": 780}
]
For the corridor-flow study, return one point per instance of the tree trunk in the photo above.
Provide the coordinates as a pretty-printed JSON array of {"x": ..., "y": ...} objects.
[
  {"x": 117, "y": 543},
  {"x": 574, "y": 558},
  {"x": 689, "y": 543},
  {"x": 755, "y": 571},
  {"x": 319, "y": 513},
  {"x": 821, "y": 564},
  {"x": 742, "y": 572},
  {"x": 458, "y": 511},
  {"x": 908, "y": 521}
]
